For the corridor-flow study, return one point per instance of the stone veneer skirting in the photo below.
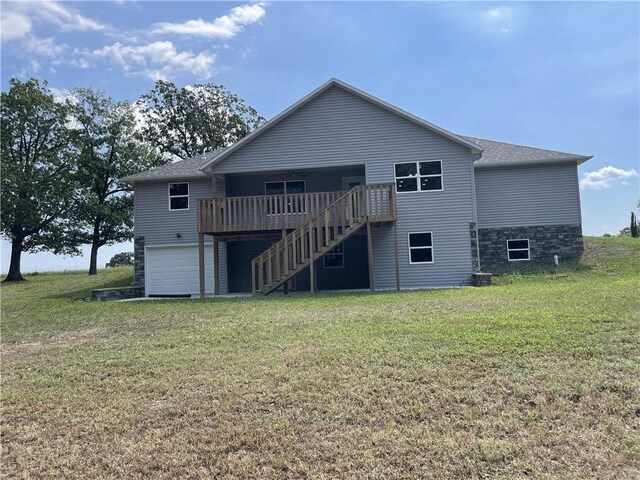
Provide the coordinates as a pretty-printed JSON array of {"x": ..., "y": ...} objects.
[
  {"x": 545, "y": 241},
  {"x": 474, "y": 246},
  {"x": 138, "y": 262}
]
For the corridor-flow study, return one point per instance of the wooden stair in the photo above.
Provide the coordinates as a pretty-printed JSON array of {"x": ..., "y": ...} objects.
[{"x": 302, "y": 247}]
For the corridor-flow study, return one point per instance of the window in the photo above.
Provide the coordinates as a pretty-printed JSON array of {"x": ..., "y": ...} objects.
[
  {"x": 289, "y": 187},
  {"x": 518, "y": 250},
  {"x": 178, "y": 196},
  {"x": 418, "y": 176},
  {"x": 280, "y": 188},
  {"x": 421, "y": 247},
  {"x": 334, "y": 258}
]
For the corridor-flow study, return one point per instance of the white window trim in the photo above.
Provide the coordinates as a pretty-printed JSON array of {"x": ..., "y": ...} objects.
[
  {"x": 418, "y": 176},
  {"x": 324, "y": 257},
  {"x": 179, "y": 196},
  {"x": 528, "y": 250},
  {"x": 433, "y": 257}
]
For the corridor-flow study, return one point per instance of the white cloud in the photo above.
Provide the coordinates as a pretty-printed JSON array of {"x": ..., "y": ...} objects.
[
  {"x": 46, "y": 47},
  {"x": 606, "y": 177},
  {"x": 498, "y": 19},
  {"x": 157, "y": 60},
  {"x": 16, "y": 18},
  {"x": 79, "y": 63},
  {"x": 65, "y": 17},
  {"x": 13, "y": 25},
  {"x": 225, "y": 27},
  {"x": 35, "y": 66},
  {"x": 60, "y": 94}
]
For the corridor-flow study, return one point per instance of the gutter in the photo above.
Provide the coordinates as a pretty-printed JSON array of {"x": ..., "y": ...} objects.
[{"x": 575, "y": 159}]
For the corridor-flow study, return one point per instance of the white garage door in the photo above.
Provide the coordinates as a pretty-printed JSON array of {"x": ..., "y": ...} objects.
[{"x": 174, "y": 270}]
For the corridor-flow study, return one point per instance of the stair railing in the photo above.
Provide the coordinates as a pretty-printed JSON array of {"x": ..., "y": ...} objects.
[{"x": 321, "y": 233}]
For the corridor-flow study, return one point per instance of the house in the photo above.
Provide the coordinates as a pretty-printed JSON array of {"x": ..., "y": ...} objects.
[{"x": 345, "y": 191}]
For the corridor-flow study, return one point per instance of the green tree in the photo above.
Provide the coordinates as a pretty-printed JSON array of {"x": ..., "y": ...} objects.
[
  {"x": 185, "y": 122},
  {"x": 625, "y": 232},
  {"x": 121, "y": 259},
  {"x": 108, "y": 150},
  {"x": 38, "y": 167}
]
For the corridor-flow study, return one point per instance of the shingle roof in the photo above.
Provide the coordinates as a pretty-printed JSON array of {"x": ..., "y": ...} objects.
[
  {"x": 187, "y": 168},
  {"x": 505, "y": 154},
  {"x": 494, "y": 154}
]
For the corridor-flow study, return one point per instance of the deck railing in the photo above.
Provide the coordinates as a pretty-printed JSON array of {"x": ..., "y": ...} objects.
[{"x": 266, "y": 212}]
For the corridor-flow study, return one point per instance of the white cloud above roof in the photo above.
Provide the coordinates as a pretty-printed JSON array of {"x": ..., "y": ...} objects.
[
  {"x": 157, "y": 60},
  {"x": 223, "y": 27},
  {"x": 606, "y": 177}
]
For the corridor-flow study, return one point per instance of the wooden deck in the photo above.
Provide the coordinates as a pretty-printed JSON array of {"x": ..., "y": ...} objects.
[{"x": 284, "y": 212}]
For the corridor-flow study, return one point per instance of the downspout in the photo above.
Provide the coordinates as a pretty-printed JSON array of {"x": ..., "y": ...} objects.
[{"x": 475, "y": 207}]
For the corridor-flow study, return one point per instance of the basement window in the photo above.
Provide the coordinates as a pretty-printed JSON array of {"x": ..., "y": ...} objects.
[
  {"x": 421, "y": 247},
  {"x": 518, "y": 250},
  {"x": 334, "y": 258},
  {"x": 418, "y": 176},
  {"x": 178, "y": 196}
]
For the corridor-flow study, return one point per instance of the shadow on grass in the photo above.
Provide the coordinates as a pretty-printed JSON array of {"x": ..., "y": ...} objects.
[{"x": 85, "y": 293}]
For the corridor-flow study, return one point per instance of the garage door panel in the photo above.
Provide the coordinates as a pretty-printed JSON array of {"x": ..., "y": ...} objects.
[{"x": 175, "y": 270}]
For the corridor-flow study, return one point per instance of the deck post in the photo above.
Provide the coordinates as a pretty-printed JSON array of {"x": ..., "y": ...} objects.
[
  {"x": 253, "y": 278},
  {"x": 395, "y": 253},
  {"x": 312, "y": 267},
  {"x": 285, "y": 263},
  {"x": 370, "y": 257},
  {"x": 216, "y": 269},
  {"x": 201, "y": 262}
]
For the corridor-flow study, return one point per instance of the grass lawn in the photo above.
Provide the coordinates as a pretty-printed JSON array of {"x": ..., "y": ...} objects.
[{"x": 537, "y": 376}]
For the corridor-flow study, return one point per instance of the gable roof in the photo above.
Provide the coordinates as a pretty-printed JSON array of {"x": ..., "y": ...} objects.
[
  {"x": 493, "y": 153},
  {"x": 334, "y": 82},
  {"x": 509, "y": 154},
  {"x": 187, "y": 168}
]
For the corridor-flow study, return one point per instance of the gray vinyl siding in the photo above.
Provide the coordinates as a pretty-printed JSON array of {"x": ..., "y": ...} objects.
[
  {"x": 528, "y": 195},
  {"x": 157, "y": 223},
  {"x": 239, "y": 256},
  {"x": 160, "y": 226},
  {"x": 337, "y": 129},
  {"x": 316, "y": 180},
  {"x": 354, "y": 275}
]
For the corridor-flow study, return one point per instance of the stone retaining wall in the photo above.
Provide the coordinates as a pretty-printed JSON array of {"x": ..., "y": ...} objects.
[{"x": 121, "y": 293}]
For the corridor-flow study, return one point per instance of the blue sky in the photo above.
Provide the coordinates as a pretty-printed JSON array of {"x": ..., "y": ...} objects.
[{"x": 563, "y": 76}]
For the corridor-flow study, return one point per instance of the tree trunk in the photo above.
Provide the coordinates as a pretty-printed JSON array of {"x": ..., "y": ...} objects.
[
  {"x": 95, "y": 245},
  {"x": 14, "y": 274},
  {"x": 93, "y": 265}
]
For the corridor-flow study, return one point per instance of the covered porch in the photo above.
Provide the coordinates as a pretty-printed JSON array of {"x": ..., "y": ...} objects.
[{"x": 286, "y": 222}]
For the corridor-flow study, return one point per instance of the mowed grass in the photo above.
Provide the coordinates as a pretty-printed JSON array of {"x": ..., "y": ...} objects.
[{"x": 537, "y": 376}]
